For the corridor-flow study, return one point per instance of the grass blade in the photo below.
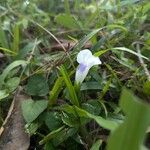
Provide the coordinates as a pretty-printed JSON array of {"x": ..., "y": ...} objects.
[
  {"x": 73, "y": 96},
  {"x": 55, "y": 91},
  {"x": 15, "y": 46}
]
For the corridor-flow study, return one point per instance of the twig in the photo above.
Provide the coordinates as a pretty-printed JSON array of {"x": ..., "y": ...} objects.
[
  {"x": 56, "y": 39},
  {"x": 29, "y": 58},
  {"x": 142, "y": 62},
  {"x": 67, "y": 44}
]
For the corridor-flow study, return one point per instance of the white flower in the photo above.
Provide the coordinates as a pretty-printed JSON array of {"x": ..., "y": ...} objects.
[{"x": 86, "y": 60}]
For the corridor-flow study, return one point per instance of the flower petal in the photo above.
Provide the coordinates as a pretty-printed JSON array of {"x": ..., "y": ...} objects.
[
  {"x": 94, "y": 61},
  {"x": 81, "y": 73},
  {"x": 86, "y": 60},
  {"x": 83, "y": 56}
]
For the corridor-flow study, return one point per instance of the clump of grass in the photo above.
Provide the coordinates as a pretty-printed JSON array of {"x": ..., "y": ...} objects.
[{"x": 40, "y": 41}]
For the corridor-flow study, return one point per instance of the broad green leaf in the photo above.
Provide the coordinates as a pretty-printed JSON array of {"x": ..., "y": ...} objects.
[
  {"x": 32, "y": 109},
  {"x": 64, "y": 135},
  {"x": 9, "y": 68},
  {"x": 67, "y": 21},
  {"x": 32, "y": 127},
  {"x": 105, "y": 123},
  {"x": 67, "y": 108},
  {"x": 53, "y": 120},
  {"x": 90, "y": 86},
  {"x": 51, "y": 135},
  {"x": 73, "y": 96},
  {"x": 70, "y": 120},
  {"x": 49, "y": 146},
  {"x": 130, "y": 134},
  {"x": 23, "y": 53},
  {"x": 37, "y": 85},
  {"x": 96, "y": 145},
  {"x": 59, "y": 135},
  {"x": 92, "y": 106},
  {"x": 3, "y": 94},
  {"x": 12, "y": 83}
]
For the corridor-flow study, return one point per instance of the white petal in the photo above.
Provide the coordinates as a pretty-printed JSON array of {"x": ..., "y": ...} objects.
[
  {"x": 94, "y": 61},
  {"x": 83, "y": 56},
  {"x": 80, "y": 75},
  {"x": 86, "y": 60}
]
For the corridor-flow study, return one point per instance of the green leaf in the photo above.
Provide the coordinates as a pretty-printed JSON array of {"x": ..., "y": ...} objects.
[
  {"x": 63, "y": 135},
  {"x": 67, "y": 7},
  {"x": 99, "y": 53},
  {"x": 70, "y": 120},
  {"x": 130, "y": 51},
  {"x": 67, "y": 21},
  {"x": 55, "y": 91},
  {"x": 51, "y": 135},
  {"x": 147, "y": 88},
  {"x": 86, "y": 38},
  {"x": 32, "y": 127},
  {"x": 9, "y": 68},
  {"x": 53, "y": 120},
  {"x": 146, "y": 8},
  {"x": 96, "y": 145},
  {"x": 113, "y": 26},
  {"x": 32, "y": 109},
  {"x": 49, "y": 146},
  {"x": 5, "y": 50},
  {"x": 15, "y": 46},
  {"x": 130, "y": 134},
  {"x": 59, "y": 135},
  {"x": 12, "y": 83},
  {"x": 90, "y": 86},
  {"x": 3, "y": 39},
  {"x": 73, "y": 96},
  {"x": 105, "y": 88},
  {"x": 105, "y": 123},
  {"x": 37, "y": 85},
  {"x": 113, "y": 73},
  {"x": 3, "y": 94},
  {"x": 23, "y": 52},
  {"x": 92, "y": 106}
]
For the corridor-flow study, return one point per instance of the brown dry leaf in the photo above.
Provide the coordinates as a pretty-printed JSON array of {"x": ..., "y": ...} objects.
[{"x": 12, "y": 133}]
